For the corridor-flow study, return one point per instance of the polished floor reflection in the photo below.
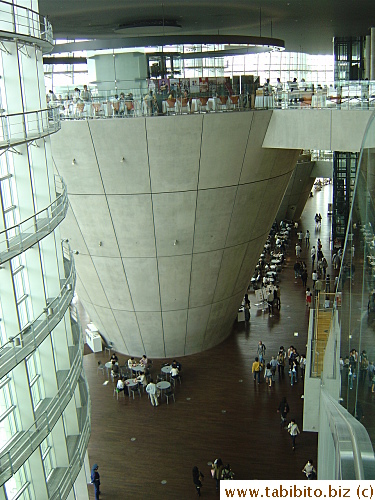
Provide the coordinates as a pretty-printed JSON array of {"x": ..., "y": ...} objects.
[{"x": 149, "y": 452}]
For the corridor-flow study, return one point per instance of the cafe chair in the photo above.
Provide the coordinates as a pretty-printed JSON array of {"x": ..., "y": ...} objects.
[
  {"x": 174, "y": 379},
  {"x": 101, "y": 368},
  {"x": 79, "y": 109},
  {"x": 221, "y": 103},
  {"x": 97, "y": 107},
  {"x": 117, "y": 392},
  {"x": 169, "y": 394},
  {"x": 109, "y": 347},
  {"x": 135, "y": 389},
  {"x": 162, "y": 376},
  {"x": 203, "y": 104},
  {"x": 129, "y": 108},
  {"x": 171, "y": 106},
  {"x": 234, "y": 101}
]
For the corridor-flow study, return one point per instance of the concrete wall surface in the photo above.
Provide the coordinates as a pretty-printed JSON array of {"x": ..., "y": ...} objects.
[
  {"x": 169, "y": 216},
  {"x": 297, "y": 191},
  {"x": 326, "y": 129}
]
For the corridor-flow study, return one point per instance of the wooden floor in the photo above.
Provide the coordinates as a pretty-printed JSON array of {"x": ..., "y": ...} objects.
[{"x": 219, "y": 411}]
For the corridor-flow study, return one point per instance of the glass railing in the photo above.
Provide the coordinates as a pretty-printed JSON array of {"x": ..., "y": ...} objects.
[
  {"x": 357, "y": 287},
  {"x": 25, "y": 22},
  {"x": 27, "y": 340},
  {"x": 26, "y": 442},
  {"x": 77, "y": 459},
  {"x": 18, "y": 238},
  {"x": 17, "y": 128},
  {"x": 133, "y": 102}
]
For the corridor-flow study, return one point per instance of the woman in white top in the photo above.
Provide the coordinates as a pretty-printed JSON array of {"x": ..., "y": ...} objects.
[{"x": 142, "y": 379}]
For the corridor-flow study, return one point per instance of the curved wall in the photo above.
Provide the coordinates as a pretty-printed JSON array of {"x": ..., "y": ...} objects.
[{"x": 169, "y": 215}]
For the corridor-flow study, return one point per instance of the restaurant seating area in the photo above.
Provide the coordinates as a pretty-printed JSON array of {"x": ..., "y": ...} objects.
[{"x": 129, "y": 373}]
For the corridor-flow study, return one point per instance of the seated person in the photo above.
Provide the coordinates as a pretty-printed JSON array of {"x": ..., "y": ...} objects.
[
  {"x": 176, "y": 364},
  {"x": 141, "y": 379},
  {"x": 114, "y": 369},
  {"x": 114, "y": 358},
  {"x": 120, "y": 384},
  {"x": 174, "y": 372},
  {"x": 143, "y": 361},
  {"x": 131, "y": 362}
]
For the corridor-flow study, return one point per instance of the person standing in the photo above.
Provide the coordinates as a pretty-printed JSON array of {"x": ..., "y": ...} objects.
[
  {"x": 95, "y": 480},
  {"x": 307, "y": 238},
  {"x": 152, "y": 390},
  {"x": 293, "y": 431},
  {"x": 197, "y": 479},
  {"x": 304, "y": 278},
  {"x": 247, "y": 311},
  {"x": 281, "y": 363}
]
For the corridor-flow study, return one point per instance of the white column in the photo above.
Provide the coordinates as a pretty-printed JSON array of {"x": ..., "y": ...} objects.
[{"x": 368, "y": 57}]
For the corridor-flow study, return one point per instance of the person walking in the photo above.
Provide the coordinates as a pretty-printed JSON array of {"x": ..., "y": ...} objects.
[
  {"x": 309, "y": 470},
  {"x": 304, "y": 278},
  {"x": 283, "y": 409},
  {"x": 293, "y": 431},
  {"x": 95, "y": 480},
  {"x": 256, "y": 370},
  {"x": 313, "y": 256},
  {"x": 270, "y": 298},
  {"x": 281, "y": 362},
  {"x": 261, "y": 351},
  {"x": 293, "y": 373},
  {"x": 298, "y": 250},
  {"x": 152, "y": 390},
  {"x": 216, "y": 470},
  {"x": 197, "y": 479}
]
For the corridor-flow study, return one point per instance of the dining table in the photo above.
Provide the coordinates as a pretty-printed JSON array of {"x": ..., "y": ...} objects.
[
  {"x": 129, "y": 383},
  {"x": 166, "y": 369},
  {"x": 163, "y": 386}
]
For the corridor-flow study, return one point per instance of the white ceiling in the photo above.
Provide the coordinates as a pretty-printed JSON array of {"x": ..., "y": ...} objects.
[{"x": 304, "y": 25}]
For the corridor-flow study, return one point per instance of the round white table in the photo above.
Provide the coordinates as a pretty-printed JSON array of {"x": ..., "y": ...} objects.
[
  {"x": 163, "y": 385},
  {"x": 138, "y": 368},
  {"x": 166, "y": 369},
  {"x": 108, "y": 366}
]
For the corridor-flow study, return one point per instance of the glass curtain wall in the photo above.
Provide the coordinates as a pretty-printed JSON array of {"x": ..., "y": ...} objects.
[
  {"x": 284, "y": 65},
  {"x": 356, "y": 283}
]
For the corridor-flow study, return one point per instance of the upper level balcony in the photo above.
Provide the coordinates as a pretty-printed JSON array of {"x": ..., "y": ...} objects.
[
  {"x": 18, "y": 128},
  {"x": 16, "y": 239},
  {"x": 26, "y": 24},
  {"x": 130, "y": 103}
]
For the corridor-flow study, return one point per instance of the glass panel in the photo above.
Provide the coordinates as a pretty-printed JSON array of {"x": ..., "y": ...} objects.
[
  {"x": 357, "y": 284},
  {"x": 8, "y": 424},
  {"x": 18, "y": 486}
]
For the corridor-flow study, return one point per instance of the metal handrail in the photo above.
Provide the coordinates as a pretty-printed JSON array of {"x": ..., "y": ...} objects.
[
  {"x": 18, "y": 238},
  {"x": 18, "y": 128},
  {"x": 27, "y": 441},
  {"x": 25, "y": 22},
  {"x": 360, "y": 463},
  {"x": 27, "y": 340},
  {"x": 77, "y": 460}
]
